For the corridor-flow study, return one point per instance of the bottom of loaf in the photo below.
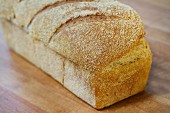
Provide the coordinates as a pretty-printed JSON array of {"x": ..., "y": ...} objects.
[{"x": 120, "y": 79}]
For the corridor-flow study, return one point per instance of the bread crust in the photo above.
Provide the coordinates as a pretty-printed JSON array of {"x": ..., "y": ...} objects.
[
  {"x": 64, "y": 24},
  {"x": 95, "y": 49},
  {"x": 93, "y": 45},
  {"x": 61, "y": 69},
  {"x": 6, "y": 8},
  {"x": 116, "y": 34},
  {"x": 118, "y": 80},
  {"x": 23, "y": 14},
  {"x": 123, "y": 77}
]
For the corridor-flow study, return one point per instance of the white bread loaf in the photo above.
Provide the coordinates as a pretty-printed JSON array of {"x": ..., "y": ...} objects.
[{"x": 96, "y": 50}]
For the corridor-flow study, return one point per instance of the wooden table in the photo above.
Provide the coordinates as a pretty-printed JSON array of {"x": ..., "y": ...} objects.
[{"x": 26, "y": 89}]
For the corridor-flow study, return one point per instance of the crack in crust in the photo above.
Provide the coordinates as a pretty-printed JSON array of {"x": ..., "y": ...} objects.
[
  {"x": 44, "y": 25},
  {"x": 56, "y": 4},
  {"x": 91, "y": 34},
  {"x": 79, "y": 30},
  {"x": 32, "y": 8},
  {"x": 94, "y": 50},
  {"x": 80, "y": 19}
]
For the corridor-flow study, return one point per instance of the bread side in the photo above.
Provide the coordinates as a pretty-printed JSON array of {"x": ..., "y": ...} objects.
[
  {"x": 120, "y": 79},
  {"x": 123, "y": 77},
  {"x": 67, "y": 73}
]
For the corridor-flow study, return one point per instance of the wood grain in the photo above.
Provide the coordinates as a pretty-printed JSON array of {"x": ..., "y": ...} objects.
[
  {"x": 10, "y": 102},
  {"x": 26, "y": 89}
]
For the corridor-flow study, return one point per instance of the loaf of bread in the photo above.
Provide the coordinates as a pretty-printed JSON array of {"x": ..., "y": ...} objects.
[{"x": 95, "y": 49}]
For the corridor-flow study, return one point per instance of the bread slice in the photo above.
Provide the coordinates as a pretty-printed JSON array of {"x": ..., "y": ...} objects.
[{"x": 118, "y": 80}]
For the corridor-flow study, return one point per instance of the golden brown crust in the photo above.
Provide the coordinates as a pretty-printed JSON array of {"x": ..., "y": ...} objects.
[
  {"x": 93, "y": 44},
  {"x": 123, "y": 77},
  {"x": 116, "y": 31},
  {"x": 90, "y": 53}
]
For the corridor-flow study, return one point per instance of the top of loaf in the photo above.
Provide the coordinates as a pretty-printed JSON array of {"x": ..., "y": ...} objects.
[{"x": 90, "y": 34}]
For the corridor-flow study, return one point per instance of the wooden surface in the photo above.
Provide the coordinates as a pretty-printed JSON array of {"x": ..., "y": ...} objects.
[{"x": 26, "y": 89}]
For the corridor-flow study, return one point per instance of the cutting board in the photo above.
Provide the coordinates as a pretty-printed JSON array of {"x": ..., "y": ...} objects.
[{"x": 26, "y": 89}]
